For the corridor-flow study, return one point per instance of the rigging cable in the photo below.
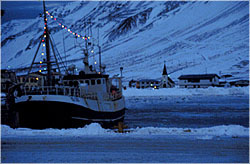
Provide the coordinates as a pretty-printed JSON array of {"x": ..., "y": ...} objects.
[
  {"x": 58, "y": 54},
  {"x": 64, "y": 50}
]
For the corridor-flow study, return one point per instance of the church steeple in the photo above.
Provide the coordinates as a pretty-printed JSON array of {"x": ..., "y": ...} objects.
[{"x": 164, "y": 69}]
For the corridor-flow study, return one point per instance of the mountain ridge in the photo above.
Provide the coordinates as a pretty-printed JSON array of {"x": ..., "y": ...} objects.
[{"x": 192, "y": 37}]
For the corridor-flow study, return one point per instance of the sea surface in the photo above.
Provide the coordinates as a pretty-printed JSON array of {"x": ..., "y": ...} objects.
[{"x": 187, "y": 111}]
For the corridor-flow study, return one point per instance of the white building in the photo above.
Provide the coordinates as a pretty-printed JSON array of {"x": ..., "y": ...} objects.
[
  {"x": 198, "y": 81},
  {"x": 147, "y": 83}
]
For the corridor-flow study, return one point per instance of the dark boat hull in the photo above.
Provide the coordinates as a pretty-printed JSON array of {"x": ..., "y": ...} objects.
[{"x": 53, "y": 114}]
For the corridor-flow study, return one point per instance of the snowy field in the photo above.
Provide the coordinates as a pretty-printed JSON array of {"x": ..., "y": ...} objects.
[{"x": 167, "y": 125}]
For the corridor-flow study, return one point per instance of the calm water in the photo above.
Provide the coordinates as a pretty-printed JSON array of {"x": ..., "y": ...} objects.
[{"x": 189, "y": 111}]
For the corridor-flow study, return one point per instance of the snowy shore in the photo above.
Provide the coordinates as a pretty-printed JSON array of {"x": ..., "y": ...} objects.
[
  {"x": 216, "y": 91},
  {"x": 95, "y": 129},
  {"x": 94, "y": 144}
]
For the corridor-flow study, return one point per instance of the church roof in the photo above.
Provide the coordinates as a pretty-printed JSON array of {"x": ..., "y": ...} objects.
[{"x": 164, "y": 70}]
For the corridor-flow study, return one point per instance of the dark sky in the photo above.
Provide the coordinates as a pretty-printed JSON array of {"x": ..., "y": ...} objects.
[{"x": 25, "y": 9}]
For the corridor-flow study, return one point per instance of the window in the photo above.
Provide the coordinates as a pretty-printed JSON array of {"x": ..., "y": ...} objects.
[
  {"x": 75, "y": 83},
  {"x": 71, "y": 83},
  {"x": 81, "y": 81},
  {"x": 98, "y": 81},
  {"x": 87, "y": 81},
  {"x": 194, "y": 80},
  {"x": 92, "y": 82}
]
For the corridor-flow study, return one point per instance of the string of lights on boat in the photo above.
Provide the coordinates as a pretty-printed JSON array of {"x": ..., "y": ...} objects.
[{"x": 63, "y": 27}]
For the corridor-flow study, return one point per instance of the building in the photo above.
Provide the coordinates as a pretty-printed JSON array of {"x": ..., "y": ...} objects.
[
  {"x": 198, "y": 81},
  {"x": 166, "y": 81},
  {"x": 240, "y": 83},
  {"x": 147, "y": 83},
  {"x": 34, "y": 80},
  {"x": 8, "y": 78},
  {"x": 132, "y": 83}
]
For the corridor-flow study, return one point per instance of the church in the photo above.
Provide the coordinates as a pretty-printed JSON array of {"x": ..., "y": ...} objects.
[{"x": 166, "y": 81}]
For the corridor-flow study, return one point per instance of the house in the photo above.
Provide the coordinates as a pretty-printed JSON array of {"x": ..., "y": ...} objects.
[
  {"x": 132, "y": 83},
  {"x": 240, "y": 83},
  {"x": 147, "y": 83},
  {"x": 34, "y": 79},
  {"x": 8, "y": 78},
  {"x": 198, "y": 80},
  {"x": 224, "y": 83},
  {"x": 166, "y": 81}
]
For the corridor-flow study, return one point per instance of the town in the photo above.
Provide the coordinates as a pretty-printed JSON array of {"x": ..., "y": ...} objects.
[{"x": 36, "y": 79}]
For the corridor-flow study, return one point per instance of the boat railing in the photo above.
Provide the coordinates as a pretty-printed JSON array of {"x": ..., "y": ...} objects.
[
  {"x": 68, "y": 91},
  {"x": 113, "y": 96},
  {"x": 52, "y": 90}
]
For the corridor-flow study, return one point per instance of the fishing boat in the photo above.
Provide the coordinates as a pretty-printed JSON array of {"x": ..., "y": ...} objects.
[{"x": 67, "y": 100}]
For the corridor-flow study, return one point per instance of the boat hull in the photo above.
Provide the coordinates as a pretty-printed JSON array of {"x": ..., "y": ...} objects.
[{"x": 58, "y": 114}]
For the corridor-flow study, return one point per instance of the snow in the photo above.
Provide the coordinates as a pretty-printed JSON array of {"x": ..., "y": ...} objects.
[
  {"x": 223, "y": 130},
  {"x": 244, "y": 91},
  {"x": 96, "y": 130},
  {"x": 192, "y": 38}
]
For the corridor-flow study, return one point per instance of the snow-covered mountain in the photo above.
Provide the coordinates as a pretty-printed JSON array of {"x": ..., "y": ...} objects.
[{"x": 192, "y": 37}]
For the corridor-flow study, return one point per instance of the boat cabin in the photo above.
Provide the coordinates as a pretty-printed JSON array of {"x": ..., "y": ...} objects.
[{"x": 94, "y": 83}]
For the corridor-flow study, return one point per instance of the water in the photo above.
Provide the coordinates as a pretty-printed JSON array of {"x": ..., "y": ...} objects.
[{"x": 188, "y": 111}]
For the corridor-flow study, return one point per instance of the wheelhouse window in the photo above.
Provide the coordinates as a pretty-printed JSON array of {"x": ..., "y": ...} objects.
[
  {"x": 92, "y": 82},
  {"x": 87, "y": 81}
]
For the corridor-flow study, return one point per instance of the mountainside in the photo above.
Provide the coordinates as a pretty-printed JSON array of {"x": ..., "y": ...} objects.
[{"x": 192, "y": 37}]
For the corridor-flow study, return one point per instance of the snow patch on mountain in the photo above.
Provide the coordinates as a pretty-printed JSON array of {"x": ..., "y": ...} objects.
[{"x": 192, "y": 37}]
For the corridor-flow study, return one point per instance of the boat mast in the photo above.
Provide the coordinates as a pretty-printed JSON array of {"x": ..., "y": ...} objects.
[
  {"x": 99, "y": 47},
  {"x": 86, "y": 53},
  {"x": 46, "y": 35}
]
